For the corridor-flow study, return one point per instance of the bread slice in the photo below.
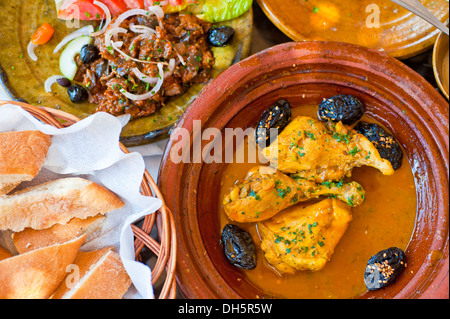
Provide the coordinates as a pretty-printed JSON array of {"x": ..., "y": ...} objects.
[
  {"x": 4, "y": 254},
  {"x": 36, "y": 275},
  {"x": 55, "y": 202},
  {"x": 22, "y": 155},
  {"x": 30, "y": 239},
  {"x": 101, "y": 276}
]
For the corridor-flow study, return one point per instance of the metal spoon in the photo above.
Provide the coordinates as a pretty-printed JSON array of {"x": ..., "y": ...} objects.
[{"x": 416, "y": 7}]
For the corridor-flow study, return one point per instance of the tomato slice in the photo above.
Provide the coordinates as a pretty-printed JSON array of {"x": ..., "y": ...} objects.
[
  {"x": 81, "y": 10},
  {"x": 116, "y": 7},
  {"x": 149, "y": 3},
  {"x": 43, "y": 34},
  {"x": 134, "y": 4},
  {"x": 86, "y": 10},
  {"x": 172, "y": 6}
]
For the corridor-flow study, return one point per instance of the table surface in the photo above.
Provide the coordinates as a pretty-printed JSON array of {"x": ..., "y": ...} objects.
[{"x": 265, "y": 35}]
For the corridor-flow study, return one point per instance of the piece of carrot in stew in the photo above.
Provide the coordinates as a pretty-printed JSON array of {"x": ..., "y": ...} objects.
[{"x": 43, "y": 34}]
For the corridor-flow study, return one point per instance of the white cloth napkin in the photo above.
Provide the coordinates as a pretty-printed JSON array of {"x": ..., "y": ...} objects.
[{"x": 90, "y": 149}]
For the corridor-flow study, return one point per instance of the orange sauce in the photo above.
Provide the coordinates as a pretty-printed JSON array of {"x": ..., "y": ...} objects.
[
  {"x": 377, "y": 24},
  {"x": 384, "y": 220}
]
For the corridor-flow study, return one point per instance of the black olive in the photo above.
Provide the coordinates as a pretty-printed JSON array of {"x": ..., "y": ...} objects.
[
  {"x": 238, "y": 247},
  {"x": 383, "y": 268},
  {"x": 77, "y": 93},
  {"x": 341, "y": 108},
  {"x": 89, "y": 53},
  {"x": 220, "y": 36},
  {"x": 385, "y": 143},
  {"x": 276, "y": 117},
  {"x": 64, "y": 82}
]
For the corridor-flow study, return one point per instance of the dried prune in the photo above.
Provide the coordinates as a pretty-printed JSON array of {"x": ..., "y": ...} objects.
[
  {"x": 383, "y": 268},
  {"x": 384, "y": 142},
  {"x": 220, "y": 36},
  {"x": 347, "y": 109},
  {"x": 238, "y": 247},
  {"x": 277, "y": 117}
]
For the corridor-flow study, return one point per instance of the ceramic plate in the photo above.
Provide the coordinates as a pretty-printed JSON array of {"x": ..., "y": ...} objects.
[
  {"x": 23, "y": 79},
  {"x": 440, "y": 63},
  {"x": 377, "y": 24}
]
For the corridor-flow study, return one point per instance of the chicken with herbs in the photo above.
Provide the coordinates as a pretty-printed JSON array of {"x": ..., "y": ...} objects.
[
  {"x": 304, "y": 238},
  {"x": 322, "y": 152},
  {"x": 264, "y": 192}
]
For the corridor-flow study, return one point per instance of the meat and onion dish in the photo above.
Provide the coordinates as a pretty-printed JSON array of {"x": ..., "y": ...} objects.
[
  {"x": 147, "y": 60},
  {"x": 162, "y": 58}
]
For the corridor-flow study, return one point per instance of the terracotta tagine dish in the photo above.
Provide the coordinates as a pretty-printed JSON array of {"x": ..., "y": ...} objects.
[{"x": 302, "y": 235}]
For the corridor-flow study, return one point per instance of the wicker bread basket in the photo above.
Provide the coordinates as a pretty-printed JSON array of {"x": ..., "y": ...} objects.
[{"x": 165, "y": 248}]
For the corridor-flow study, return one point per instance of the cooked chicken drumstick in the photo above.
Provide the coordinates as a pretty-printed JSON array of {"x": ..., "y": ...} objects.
[{"x": 264, "y": 192}]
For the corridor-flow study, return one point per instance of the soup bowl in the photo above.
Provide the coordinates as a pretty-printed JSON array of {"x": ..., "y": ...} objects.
[
  {"x": 306, "y": 72},
  {"x": 440, "y": 63}
]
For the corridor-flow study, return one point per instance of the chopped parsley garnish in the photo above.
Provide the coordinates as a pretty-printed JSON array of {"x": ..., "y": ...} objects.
[
  {"x": 354, "y": 151},
  {"x": 310, "y": 135},
  {"x": 253, "y": 194},
  {"x": 283, "y": 192}
]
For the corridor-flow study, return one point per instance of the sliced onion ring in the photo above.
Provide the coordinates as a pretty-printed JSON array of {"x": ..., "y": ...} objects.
[
  {"x": 108, "y": 17},
  {"x": 113, "y": 32},
  {"x": 115, "y": 46},
  {"x": 143, "y": 77},
  {"x": 157, "y": 10},
  {"x": 119, "y": 44},
  {"x": 152, "y": 80},
  {"x": 87, "y": 30},
  {"x": 150, "y": 93},
  {"x": 141, "y": 28},
  {"x": 171, "y": 68},
  {"x": 133, "y": 12},
  {"x": 30, "y": 49},
  {"x": 50, "y": 81},
  {"x": 179, "y": 57}
]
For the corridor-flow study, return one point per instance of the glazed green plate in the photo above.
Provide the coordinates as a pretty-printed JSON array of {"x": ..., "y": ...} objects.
[{"x": 23, "y": 79}]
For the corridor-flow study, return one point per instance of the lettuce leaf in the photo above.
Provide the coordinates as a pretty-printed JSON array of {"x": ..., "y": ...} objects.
[{"x": 220, "y": 10}]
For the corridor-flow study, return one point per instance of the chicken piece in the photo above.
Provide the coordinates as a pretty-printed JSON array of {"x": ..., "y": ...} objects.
[
  {"x": 304, "y": 238},
  {"x": 264, "y": 192},
  {"x": 322, "y": 152}
]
